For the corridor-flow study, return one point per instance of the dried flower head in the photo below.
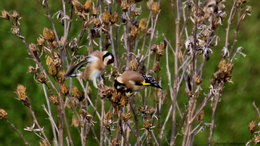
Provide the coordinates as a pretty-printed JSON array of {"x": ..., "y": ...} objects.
[
  {"x": 116, "y": 142},
  {"x": 40, "y": 77},
  {"x": 133, "y": 31},
  {"x": 96, "y": 22},
  {"x": 71, "y": 103},
  {"x": 15, "y": 30},
  {"x": 48, "y": 34},
  {"x": 126, "y": 116},
  {"x": 32, "y": 70},
  {"x": 154, "y": 48},
  {"x": 154, "y": 7},
  {"x": 52, "y": 70},
  {"x": 106, "y": 17},
  {"x": 61, "y": 77},
  {"x": 142, "y": 24},
  {"x": 22, "y": 95},
  {"x": 5, "y": 15},
  {"x": 95, "y": 12},
  {"x": 198, "y": 80},
  {"x": 15, "y": 15},
  {"x": 114, "y": 18},
  {"x": 77, "y": 5},
  {"x": 3, "y": 114},
  {"x": 64, "y": 89},
  {"x": 156, "y": 66},
  {"x": 252, "y": 126},
  {"x": 257, "y": 139},
  {"x": 148, "y": 125},
  {"x": 76, "y": 93},
  {"x": 201, "y": 116},
  {"x": 40, "y": 41},
  {"x": 75, "y": 121},
  {"x": 134, "y": 64},
  {"x": 124, "y": 6},
  {"x": 54, "y": 99},
  {"x": 44, "y": 143},
  {"x": 88, "y": 5}
]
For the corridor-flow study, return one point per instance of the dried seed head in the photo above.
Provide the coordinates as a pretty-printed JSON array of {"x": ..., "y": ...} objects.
[
  {"x": 15, "y": 15},
  {"x": 116, "y": 142},
  {"x": 64, "y": 89},
  {"x": 32, "y": 69},
  {"x": 75, "y": 121},
  {"x": 257, "y": 139},
  {"x": 95, "y": 12},
  {"x": 49, "y": 60},
  {"x": 142, "y": 24},
  {"x": 40, "y": 77},
  {"x": 124, "y": 6},
  {"x": 52, "y": 70},
  {"x": 225, "y": 67},
  {"x": 156, "y": 67},
  {"x": 22, "y": 95},
  {"x": 3, "y": 114},
  {"x": 148, "y": 126},
  {"x": 48, "y": 34},
  {"x": 248, "y": 10},
  {"x": 83, "y": 113},
  {"x": 134, "y": 64},
  {"x": 124, "y": 100},
  {"x": 109, "y": 116},
  {"x": 44, "y": 143},
  {"x": 133, "y": 31},
  {"x": 77, "y": 5},
  {"x": 155, "y": 8},
  {"x": 106, "y": 92},
  {"x": 126, "y": 116},
  {"x": 151, "y": 110},
  {"x": 252, "y": 126},
  {"x": 15, "y": 30},
  {"x": 154, "y": 48},
  {"x": 54, "y": 99},
  {"x": 240, "y": 2},
  {"x": 40, "y": 41},
  {"x": 76, "y": 93},
  {"x": 106, "y": 17},
  {"x": 96, "y": 22},
  {"x": 61, "y": 77},
  {"x": 114, "y": 18},
  {"x": 5, "y": 15},
  {"x": 88, "y": 6},
  {"x": 71, "y": 103},
  {"x": 198, "y": 80},
  {"x": 161, "y": 48}
]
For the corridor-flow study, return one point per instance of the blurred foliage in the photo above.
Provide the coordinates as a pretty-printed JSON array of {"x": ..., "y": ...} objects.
[{"x": 234, "y": 112}]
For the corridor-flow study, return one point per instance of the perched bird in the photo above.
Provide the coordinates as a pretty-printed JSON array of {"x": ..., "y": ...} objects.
[
  {"x": 134, "y": 81},
  {"x": 95, "y": 64}
]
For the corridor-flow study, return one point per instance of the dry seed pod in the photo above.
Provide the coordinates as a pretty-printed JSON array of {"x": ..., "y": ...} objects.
[
  {"x": 155, "y": 8},
  {"x": 88, "y": 6},
  {"x": 154, "y": 48},
  {"x": 40, "y": 41},
  {"x": 44, "y": 143},
  {"x": 96, "y": 22},
  {"x": 126, "y": 116},
  {"x": 32, "y": 70},
  {"x": 95, "y": 12},
  {"x": 40, "y": 77},
  {"x": 22, "y": 95},
  {"x": 54, "y": 99},
  {"x": 114, "y": 18},
  {"x": 79, "y": 7},
  {"x": 124, "y": 6},
  {"x": 52, "y": 70},
  {"x": 134, "y": 31},
  {"x": 15, "y": 15},
  {"x": 142, "y": 24},
  {"x": 156, "y": 66},
  {"x": 257, "y": 139},
  {"x": 15, "y": 30},
  {"x": 106, "y": 17},
  {"x": 64, "y": 89},
  {"x": 134, "y": 64},
  {"x": 48, "y": 34},
  {"x": 61, "y": 77},
  {"x": 252, "y": 126},
  {"x": 76, "y": 93},
  {"x": 3, "y": 114},
  {"x": 5, "y": 15},
  {"x": 116, "y": 142}
]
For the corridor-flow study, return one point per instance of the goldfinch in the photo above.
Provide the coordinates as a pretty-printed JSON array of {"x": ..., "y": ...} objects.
[
  {"x": 95, "y": 65},
  {"x": 134, "y": 81}
]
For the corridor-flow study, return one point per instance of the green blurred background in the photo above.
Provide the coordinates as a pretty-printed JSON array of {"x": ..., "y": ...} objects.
[{"x": 234, "y": 112}]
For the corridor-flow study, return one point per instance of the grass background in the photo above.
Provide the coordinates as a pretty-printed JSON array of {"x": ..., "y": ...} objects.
[{"x": 234, "y": 112}]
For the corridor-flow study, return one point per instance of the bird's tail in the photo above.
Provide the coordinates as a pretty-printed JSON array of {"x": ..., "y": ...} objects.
[
  {"x": 149, "y": 81},
  {"x": 71, "y": 72}
]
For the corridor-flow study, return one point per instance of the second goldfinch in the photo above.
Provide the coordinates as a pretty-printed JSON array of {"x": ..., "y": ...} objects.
[
  {"x": 95, "y": 65},
  {"x": 134, "y": 81}
]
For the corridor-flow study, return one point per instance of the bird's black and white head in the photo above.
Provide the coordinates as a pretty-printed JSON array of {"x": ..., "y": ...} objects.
[{"x": 108, "y": 58}]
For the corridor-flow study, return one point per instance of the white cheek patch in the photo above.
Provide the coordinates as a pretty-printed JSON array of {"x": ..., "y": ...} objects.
[{"x": 107, "y": 59}]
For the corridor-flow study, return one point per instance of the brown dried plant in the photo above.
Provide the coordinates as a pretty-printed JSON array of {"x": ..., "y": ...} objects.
[{"x": 118, "y": 26}]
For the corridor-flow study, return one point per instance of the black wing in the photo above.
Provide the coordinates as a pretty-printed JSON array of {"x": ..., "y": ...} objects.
[{"x": 73, "y": 68}]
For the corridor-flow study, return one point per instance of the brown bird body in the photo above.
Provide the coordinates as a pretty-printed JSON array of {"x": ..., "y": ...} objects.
[
  {"x": 134, "y": 81},
  {"x": 95, "y": 65}
]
